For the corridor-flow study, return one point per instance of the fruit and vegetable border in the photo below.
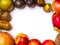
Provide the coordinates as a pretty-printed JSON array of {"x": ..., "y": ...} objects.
[{"x": 6, "y": 6}]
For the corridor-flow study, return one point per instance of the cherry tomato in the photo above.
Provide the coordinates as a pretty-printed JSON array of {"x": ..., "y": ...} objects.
[
  {"x": 48, "y": 42},
  {"x": 56, "y": 6}
]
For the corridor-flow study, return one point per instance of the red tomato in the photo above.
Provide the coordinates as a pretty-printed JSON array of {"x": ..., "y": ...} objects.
[
  {"x": 56, "y": 6},
  {"x": 48, "y": 42},
  {"x": 34, "y": 42},
  {"x": 57, "y": 0}
]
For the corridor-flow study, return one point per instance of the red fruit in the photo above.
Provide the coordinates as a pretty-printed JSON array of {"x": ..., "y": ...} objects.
[
  {"x": 21, "y": 39},
  {"x": 56, "y": 6},
  {"x": 57, "y": 0},
  {"x": 56, "y": 20},
  {"x": 34, "y": 42},
  {"x": 48, "y": 42}
]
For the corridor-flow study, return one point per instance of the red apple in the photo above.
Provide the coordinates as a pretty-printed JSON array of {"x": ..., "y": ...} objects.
[
  {"x": 34, "y": 42},
  {"x": 56, "y": 20},
  {"x": 48, "y": 42},
  {"x": 21, "y": 39}
]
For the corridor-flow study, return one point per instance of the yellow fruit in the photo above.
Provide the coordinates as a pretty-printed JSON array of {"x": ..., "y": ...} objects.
[
  {"x": 40, "y": 2},
  {"x": 4, "y": 25},
  {"x": 6, "y": 39},
  {"x": 47, "y": 7},
  {"x": 5, "y": 16},
  {"x": 5, "y": 4},
  {"x": 11, "y": 8},
  {"x": 57, "y": 29}
]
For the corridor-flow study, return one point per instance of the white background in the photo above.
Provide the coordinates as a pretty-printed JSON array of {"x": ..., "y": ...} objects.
[{"x": 33, "y": 22}]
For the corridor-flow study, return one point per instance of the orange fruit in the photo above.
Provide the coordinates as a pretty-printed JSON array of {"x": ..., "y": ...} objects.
[{"x": 6, "y": 39}]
